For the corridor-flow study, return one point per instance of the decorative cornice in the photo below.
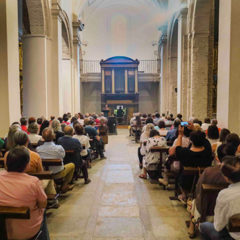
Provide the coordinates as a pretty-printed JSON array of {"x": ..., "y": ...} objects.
[{"x": 57, "y": 10}]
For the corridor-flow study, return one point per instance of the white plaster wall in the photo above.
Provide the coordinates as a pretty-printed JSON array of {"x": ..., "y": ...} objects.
[
  {"x": 66, "y": 86},
  {"x": 148, "y": 97}
]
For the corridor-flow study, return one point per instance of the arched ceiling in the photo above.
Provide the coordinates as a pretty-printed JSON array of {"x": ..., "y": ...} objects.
[{"x": 122, "y": 27}]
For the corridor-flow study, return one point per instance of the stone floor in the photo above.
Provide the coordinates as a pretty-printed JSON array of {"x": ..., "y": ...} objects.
[{"x": 117, "y": 205}]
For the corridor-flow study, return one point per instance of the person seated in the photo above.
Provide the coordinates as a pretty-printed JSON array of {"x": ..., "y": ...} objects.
[
  {"x": 156, "y": 119},
  {"x": 49, "y": 150},
  {"x": 143, "y": 142},
  {"x": 34, "y": 138},
  {"x": 96, "y": 140},
  {"x": 31, "y": 120},
  {"x": 151, "y": 159},
  {"x": 213, "y": 134},
  {"x": 161, "y": 128},
  {"x": 84, "y": 140},
  {"x": 198, "y": 155},
  {"x": 230, "y": 148},
  {"x": 211, "y": 175},
  {"x": 45, "y": 124},
  {"x": 227, "y": 204},
  {"x": 171, "y": 134},
  {"x": 172, "y": 164},
  {"x": 23, "y": 122},
  {"x": 19, "y": 189},
  {"x": 56, "y": 126},
  {"x": 9, "y": 141},
  {"x": 66, "y": 119},
  {"x": 206, "y": 124},
  {"x": 70, "y": 143}
]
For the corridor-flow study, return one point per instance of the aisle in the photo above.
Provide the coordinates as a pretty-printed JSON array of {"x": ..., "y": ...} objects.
[{"x": 117, "y": 205}]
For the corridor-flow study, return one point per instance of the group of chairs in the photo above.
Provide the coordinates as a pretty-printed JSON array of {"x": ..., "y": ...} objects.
[{"x": 209, "y": 191}]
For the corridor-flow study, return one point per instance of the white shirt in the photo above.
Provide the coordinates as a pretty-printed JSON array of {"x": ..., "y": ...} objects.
[
  {"x": 205, "y": 126},
  {"x": 185, "y": 142},
  {"x": 34, "y": 138},
  {"x": 84, "y": 140},
  {"x": 227, "y": 205}
]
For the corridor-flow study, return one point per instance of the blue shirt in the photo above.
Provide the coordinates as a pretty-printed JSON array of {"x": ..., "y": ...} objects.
[{"x": 171, "y": 134}]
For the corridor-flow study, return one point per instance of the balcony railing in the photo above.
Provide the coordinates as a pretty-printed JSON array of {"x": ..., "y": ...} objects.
[{"x": 146, "y": 66}]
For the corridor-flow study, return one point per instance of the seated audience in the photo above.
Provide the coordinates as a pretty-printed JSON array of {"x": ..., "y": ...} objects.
[
  {"x": 198, "y": 155},
  {"x": 162, "y": 128},
  {"x": 151, "y": 159},
  {"x": 227, "y": 204},
  {"x": 157, "y": 119},
  {"x": 9, "y": 141},
  {"x": 49, "y": 150},
  {"x": 28, "y": 193},
  {"x": 31, "y": 120},
  {"x": 34, "y": 138},
  {"x": 70, "y": 143},
  {"x": 56, "y": 126}
]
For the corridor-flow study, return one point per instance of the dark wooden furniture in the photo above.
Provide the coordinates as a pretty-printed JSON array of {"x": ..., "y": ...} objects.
[
  {"x": 42, "y": 175},
  {"x": 234, "y": 223},
  {"x": 11, "y": 212}
]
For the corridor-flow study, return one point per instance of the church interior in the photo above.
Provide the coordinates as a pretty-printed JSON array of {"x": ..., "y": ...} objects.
[{"x": 118, "y": 119}]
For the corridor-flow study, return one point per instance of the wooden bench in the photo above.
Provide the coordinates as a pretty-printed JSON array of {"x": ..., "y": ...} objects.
[
  {"x": 12, "y": 213},
  {"x": 208, "y": 199},
  {"x": 1, "y": 162},
  {"x": 42, "y": 175},
  {"x": 234, "y": 223},
  {"x": 51, "y": 162}
]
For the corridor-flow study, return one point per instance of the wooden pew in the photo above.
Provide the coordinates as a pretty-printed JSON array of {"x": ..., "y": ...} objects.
[
  {"x": 11, "y": 212},
  {"x": 42, "y": 175},
  {"x": 234, "y": 223},
  {"x": 1, "y": 162},
  {"x": 51, "y": 162},
  {"x": 208, "y": 198}
]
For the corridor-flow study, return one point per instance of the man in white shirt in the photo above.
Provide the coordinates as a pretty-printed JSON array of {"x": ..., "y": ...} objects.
[{"x": 227, "y": 204}]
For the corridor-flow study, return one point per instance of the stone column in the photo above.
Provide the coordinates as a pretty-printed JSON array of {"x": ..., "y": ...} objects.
[
  {"x": 163, "y": 76},
  {"x": 9, "y": 65},
  {"x": 76, "y": 65},
  {"x": 136, "y": 81},
  {"x": 55, "y": 83},
  {"x": 228, "y": 97},
  {"x": 126, "y": 81},
  {"x": 113, "y": 82},
  {"x": 35, "y": 98},
  {"x": 182, "y": 63},
  {"x": 103, "y": 81}
]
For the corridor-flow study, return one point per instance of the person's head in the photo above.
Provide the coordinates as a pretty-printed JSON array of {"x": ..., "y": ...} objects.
[
  {"x": 179, "y": 116},
  {"x": 56, "y": 126},
  {"x": 31, "y": 120},
  {"x": 231, "y": 168},
  {"x": 52, "y": 118},
  {"x": 21, "y": 138},
  {"x": 214, "y": 122},
  {"x": 154, "y": 133},
  {"x": 63, "y": 125},
  {"x": 79, "y": 130},
  {"x": 232, "y": 143},
  {"x": 149, "y": 120},
  {"x": 33, "y": 128},
  {"x": 23, "y": 121},
  {"x": 68, "y": 130},
  {"x": 197, "y": 138},
  {"x": 91, "y": 123},
  {"x": 207, "y": 120},
  {"x": 65, "y": 117},
  {"x": 73, "y": 120},
  {"x": 213, "y": 132},
  {"x": 171, "y": 115},
  {"x": 17, "y": 159},
  {"x": 157, "y": 115},
  {"x": 149, "y": 128},
  {"x": 81, "y": 116},
  {"x": 39, "y": 121},
  {"x": 44, "y": 125},
  {"x": 48, "y": 134},
  {"x": 223, "y": 135},
  {"x": 161, "y": 124},
  {"x": 176, "y": 123},
  {"x": 197, "y": 127},
  {"x": 10, "y": 138},
  {"x": 86, "y": 121},
  {"x": 144, "y": 115},
  {"x": 60, "y": 119}
]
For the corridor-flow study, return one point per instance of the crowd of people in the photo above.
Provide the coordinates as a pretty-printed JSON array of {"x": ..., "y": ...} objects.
[
  {"x": 76, "y": 141},
  {"x": 197, "y": 145}
]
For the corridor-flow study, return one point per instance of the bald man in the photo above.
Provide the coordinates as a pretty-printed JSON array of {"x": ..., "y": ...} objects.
[
  {"x": 72, "y": 144},
  {"x": 49, "y": 150}
]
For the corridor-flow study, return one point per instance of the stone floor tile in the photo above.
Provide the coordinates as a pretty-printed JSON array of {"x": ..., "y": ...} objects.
[{"x": 115, "y": 211}]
